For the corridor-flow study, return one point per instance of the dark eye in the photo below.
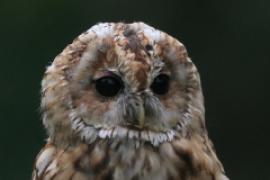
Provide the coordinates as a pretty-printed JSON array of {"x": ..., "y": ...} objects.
[
  {"x": 108, "y": 86},
  {"x": 161, "y": 84}
]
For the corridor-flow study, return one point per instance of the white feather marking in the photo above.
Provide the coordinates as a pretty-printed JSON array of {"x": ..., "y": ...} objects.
[
  {"x": 89, "y": 134},
  {"x": 44, "y": 159},
  {"x": 102, "y": 30},
  {"x": 52, "y": 168},
  {"x": 104, "y": 133},
  {"x": 122, "y": 132},
  {"x": 114, "y": 133},
  {"x": 155, "y": 141},
  {"x": 151, "y": 136},
  {"x": 152, "y": 33},
  {"x": 144, "y": 136},
  {"x": 72, "y": 115},
  {"x": 75, "y": 123},
  {"x": 159, "y": 138},
  {"x": 80, "y": 126},
  {"x": 51, "y": 68},
  {"x": 163, "y": 137},
  {"x": 133, "y": 134},
  {"x": 170, "y": 135},
  {"x": 109, "y": 133},
  {"x": 178, "y": 127}
]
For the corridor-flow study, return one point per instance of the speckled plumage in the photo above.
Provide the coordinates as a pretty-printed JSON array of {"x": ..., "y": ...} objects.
[{"x": 136, "y": 134}]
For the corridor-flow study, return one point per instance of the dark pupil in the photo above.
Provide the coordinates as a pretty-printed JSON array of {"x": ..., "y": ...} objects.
[
  {"x": 108, "y": 86},
  {"x": 160, "y": 84}
]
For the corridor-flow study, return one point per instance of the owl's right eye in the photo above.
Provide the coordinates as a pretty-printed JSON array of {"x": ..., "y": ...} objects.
[
  {"x": 108, "y": 86},
  {"x": 161, "y": 84}
]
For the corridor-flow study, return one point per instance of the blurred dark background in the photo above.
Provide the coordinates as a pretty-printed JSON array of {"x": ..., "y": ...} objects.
[{"x": 227, "y": 40}]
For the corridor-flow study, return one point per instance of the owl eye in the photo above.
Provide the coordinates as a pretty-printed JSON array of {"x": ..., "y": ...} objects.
[
  {"x": 161, "y": 84},
  {"x": 108, "y": 86}
]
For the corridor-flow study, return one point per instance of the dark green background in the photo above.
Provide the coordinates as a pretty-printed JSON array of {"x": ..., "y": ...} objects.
[{"x": 227, "y": 40}]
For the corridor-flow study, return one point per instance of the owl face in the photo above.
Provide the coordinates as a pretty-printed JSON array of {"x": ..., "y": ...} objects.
[{"x": 122, "y": 80}]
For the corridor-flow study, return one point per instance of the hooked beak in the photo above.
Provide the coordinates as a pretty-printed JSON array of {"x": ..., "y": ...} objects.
[
  {"x": 134, "y": 112},
  {"x": 141, "y": 116}
]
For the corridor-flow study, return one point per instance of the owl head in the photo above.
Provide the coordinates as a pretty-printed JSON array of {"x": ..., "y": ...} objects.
[{"x": 120, "y": 80}]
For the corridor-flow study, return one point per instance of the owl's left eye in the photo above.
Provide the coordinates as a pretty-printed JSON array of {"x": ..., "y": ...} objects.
[{"x": 108, "y": 86}]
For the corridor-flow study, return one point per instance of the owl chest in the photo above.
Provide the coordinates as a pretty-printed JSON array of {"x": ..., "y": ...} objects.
[
  {"x": 125, "y": 162},
  {"x": 128, "y": 161},
  {"x": 119, "y": 161}
]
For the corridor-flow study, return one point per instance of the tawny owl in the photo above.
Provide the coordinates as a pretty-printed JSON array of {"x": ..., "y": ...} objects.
[{"x": 124, "y": 102}]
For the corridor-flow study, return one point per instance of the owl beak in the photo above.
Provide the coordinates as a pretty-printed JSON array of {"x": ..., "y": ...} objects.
[
  {"x": 133, "y": 111},
  {"x": 135, "y": 115},
  {"x": 141, "y": 117}
]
